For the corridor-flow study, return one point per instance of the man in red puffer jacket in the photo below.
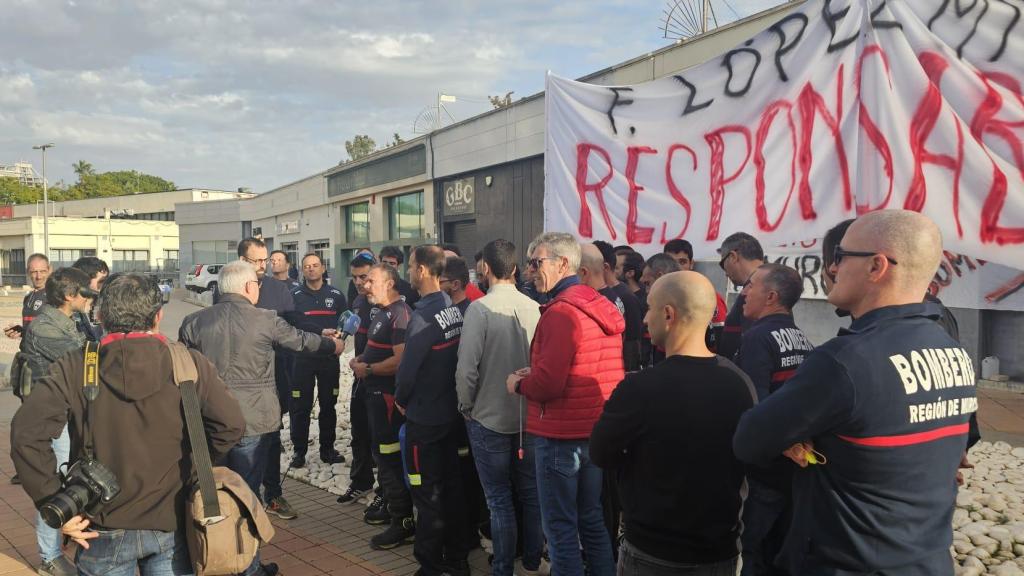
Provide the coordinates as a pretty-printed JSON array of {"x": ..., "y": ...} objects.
[{"x": 575, "y": 363}]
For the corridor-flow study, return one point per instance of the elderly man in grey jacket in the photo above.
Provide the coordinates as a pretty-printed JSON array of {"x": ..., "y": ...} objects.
[
  {"x": 496, "y": 334},
  {"x": 240, "y": 340}
]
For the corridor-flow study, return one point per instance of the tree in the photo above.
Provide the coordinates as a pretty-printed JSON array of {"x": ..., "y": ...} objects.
[
  {"x": 501, "y": 102},
  {"x": 360, "y": 147},
  {"x": 398, "y": 140},
  {"x": 83, "y": 169}
]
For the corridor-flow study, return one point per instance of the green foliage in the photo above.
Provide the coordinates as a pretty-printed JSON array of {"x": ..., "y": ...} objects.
[
  {"x": 89, "y": 185},
  {"x": 360, "y": 146},
  {"x": 14, "y": 192}
]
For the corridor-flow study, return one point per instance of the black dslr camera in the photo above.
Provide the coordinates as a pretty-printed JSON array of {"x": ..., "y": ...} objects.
[{"x": 86, "y": 487}]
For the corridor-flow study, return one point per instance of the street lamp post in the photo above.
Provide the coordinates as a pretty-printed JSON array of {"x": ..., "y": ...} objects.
[{"x": 46, "y": 199}]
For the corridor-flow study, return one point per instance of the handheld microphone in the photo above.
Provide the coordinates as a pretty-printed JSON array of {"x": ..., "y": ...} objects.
[{"x": 348, "y": 324}]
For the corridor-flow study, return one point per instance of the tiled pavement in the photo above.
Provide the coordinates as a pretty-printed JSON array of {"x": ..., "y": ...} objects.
[
  {"x": 326, "y": 538},
  {"x": 1001, "y": 415}
]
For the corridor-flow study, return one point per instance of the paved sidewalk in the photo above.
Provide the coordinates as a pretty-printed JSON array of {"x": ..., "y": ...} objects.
[
  {"x": 326, "y": 538},
  {"x": 1001, "y": 415}
]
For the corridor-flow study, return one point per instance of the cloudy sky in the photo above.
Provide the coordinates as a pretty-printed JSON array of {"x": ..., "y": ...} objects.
[{"x": 230, "y": 93}]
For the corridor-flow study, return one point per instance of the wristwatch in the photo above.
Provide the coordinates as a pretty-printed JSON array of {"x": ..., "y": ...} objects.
[{"x": 369, "y": 369}]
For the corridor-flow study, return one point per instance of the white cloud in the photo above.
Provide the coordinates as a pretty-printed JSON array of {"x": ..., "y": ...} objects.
[{"x": 255, "y": 93}]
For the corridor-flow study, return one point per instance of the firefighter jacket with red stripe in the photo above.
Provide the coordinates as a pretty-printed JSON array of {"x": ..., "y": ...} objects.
[
  {"x": 425, "y": 383},
  {"x": 30, "y": 306},
  {"x": 886, "y": 403},
  {"x": 773, "y": 348},
  {"x": 575, "y": 362},
  {"x": 316, "y": 311}
]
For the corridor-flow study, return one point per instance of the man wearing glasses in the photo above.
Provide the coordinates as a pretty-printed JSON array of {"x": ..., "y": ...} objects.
[
  {"x": 274, "y": 295},
  {"x": 876, "y": 417},
  {"x": 741, "y": 255},
  {"x": 575, "y": 363},
  {"x": 240, "y": 339}
]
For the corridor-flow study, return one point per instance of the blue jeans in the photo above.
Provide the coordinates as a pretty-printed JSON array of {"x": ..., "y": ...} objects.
[
  {"x": 569, "y": 487},
  {"x": 119, "y": 552},
  {"x": 499, "y": 467},
  {"x": 49, "y": 538},
  {"x": 249, "y": 459},
  {"x": 633, "y": 562}
]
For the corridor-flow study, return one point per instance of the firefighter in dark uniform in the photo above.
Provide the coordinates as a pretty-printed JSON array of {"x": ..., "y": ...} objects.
[
  {"x": 318, "y": 306},
  {"x": 772, "y": 350},
  {"x": 361, "y": 475},
  {"x": 425, "y": 392},
  {"x": 877, "y": 417},
  {"x": 37, "y": 270},
  {"x": 377, "y": 366}
]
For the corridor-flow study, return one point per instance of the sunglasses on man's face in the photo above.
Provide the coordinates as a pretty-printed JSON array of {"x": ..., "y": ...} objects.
[
  {"x": 839, "y": 253},
  {"x": 721, "y": 263}
]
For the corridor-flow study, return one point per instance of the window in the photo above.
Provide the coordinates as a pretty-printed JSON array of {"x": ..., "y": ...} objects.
[
  {"x": 405, "y": 216},
  {"x": 64, "y": 257},
  {"x": 12, "y": 267},
  {"x": 170, "y": 263},
  {"x": 357, "y": 222},
  {"x": 214, "y": 251},
  {"x": 292, "y": 250},
  {"x": 321, "y": 248},
  {"x": 130, "y": 261}
]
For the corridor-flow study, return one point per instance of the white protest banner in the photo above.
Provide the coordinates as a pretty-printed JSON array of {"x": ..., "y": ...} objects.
[
  {"x": 961, "y": 281},
  {"x": 839, "y": 108}
]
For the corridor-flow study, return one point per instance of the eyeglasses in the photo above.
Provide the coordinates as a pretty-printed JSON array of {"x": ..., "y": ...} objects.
[
  {"x": 256, "y": 282},
  {"x": 839, "y": 253},
  {"x": 535, "y": 262},
  {"x": 721, "y": 263},
  {"x": 256, "y": 261},
  {"x": 442, "y": 280}
]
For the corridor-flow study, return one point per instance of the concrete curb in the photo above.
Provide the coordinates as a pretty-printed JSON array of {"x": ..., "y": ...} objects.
[{"x": 1009, "y": 385}]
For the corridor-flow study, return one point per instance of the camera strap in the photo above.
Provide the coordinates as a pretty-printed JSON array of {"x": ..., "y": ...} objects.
[{"x": 91, "y": 389}]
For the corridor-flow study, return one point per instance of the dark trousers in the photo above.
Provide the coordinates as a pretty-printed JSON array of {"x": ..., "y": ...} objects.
[
  {"x": 323, "y": 374},
  {"x": 612, "y": 509},
  {"x": 361, "y": 473},
  {"x": 385, "y": 421},
  {"x": 272, "y": 475},
  {"x": 432, "y": 458},
  {"x": 765, "y": 522}
]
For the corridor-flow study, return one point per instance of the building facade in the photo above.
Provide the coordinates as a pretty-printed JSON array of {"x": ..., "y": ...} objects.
[
  {"x": 134, "y": 232},
  {"x": 384, "y": 199},
  {"x": 483, "y": 178}
]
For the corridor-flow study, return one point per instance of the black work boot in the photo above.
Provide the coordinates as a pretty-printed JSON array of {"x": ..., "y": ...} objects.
[{"x": 398, "y": 533}]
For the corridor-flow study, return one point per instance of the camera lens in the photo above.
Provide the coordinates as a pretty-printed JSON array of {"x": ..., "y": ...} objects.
[{"x": 64, "y": 505}]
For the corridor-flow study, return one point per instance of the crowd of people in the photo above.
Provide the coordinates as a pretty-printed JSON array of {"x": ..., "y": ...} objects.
[{"x": 592, "y": 411}]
